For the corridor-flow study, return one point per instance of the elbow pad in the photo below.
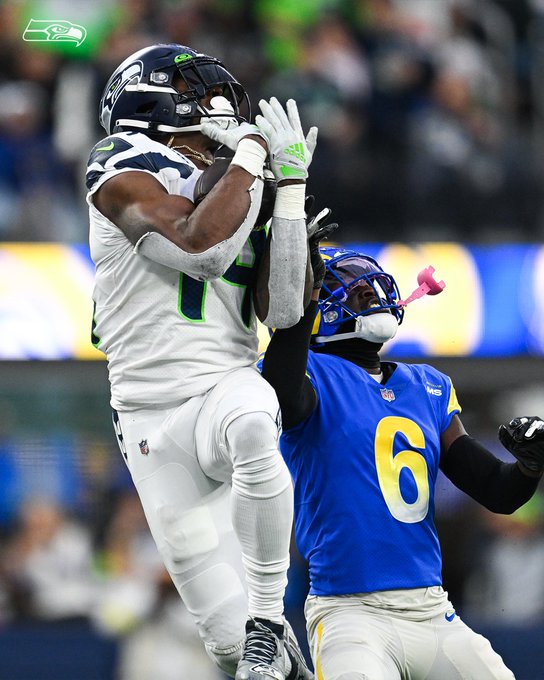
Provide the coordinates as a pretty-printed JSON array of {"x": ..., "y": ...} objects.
[
  {"x": 213, "y": 262},
  {"x": 288, "y": 256}
]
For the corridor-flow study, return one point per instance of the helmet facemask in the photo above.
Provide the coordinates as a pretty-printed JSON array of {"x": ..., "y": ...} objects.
[{"x": 346, "y": 270}]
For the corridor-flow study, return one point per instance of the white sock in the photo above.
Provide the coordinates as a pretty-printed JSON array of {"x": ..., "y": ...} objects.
[{"x": 262, "y": 512}]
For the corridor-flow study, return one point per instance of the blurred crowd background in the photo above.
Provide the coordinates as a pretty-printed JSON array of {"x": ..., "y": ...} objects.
[
  {"x": 431, "y": 128},
  {"x": 430, "y": 112}
]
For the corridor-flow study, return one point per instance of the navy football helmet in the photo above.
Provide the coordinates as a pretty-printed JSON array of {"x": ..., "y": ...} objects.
[
  {"x": 141, "y": 95},
  {"x": 345, "y": 269}
]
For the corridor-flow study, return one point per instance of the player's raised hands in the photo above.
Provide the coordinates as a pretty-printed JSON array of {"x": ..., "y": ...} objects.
[
  {"x": 231, "y": 136},
  {"x": 318, "y": 229},
  {"x": 524, "y": 438},
  {"x": 290, "y": 151}
]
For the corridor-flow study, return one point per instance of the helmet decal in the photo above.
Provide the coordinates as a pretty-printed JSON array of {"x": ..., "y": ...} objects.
[{"x": 182, "y": 57}]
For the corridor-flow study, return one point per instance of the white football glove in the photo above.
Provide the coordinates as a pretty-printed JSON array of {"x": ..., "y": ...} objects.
[
  {"x": 232, "y": 136},
  {"x": 290, "y": 152}
]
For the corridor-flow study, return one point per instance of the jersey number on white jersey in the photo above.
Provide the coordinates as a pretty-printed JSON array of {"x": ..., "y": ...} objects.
[{"x": 192, "y": 293}]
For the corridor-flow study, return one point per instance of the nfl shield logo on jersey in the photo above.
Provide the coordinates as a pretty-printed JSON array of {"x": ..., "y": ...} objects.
[
  {"x": 387, "y": 394},
  {"x": 144, "y": 447}
]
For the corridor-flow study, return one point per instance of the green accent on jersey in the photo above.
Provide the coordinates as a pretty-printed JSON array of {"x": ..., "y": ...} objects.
[
  {"x": 106, "y": 148},
  {"x": 296, "y": 150},
  {"x": 182, "y": 57},
  {"x": 287, "y": 171},
  {"x": 242, "y": 274},
  {"x": 191, "y": 298},
  {"x": 192, "y": 293}
]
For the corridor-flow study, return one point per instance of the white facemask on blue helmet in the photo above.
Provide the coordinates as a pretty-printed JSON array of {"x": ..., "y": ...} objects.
[{"x": 347, "y": 269}]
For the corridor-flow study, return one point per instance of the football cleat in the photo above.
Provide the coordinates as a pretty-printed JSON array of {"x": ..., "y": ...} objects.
[
  {"x": 263, "y": 657},
  {"x": 268, "y": 655},
  {"x": 299, "y": 669}
]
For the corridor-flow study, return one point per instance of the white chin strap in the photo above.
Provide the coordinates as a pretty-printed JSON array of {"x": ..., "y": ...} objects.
[
  {"x": 220, "y": 111},
  {"x": 378, "y": 328}
]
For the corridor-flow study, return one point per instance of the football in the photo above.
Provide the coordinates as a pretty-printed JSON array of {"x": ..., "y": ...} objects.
[{"x": 211, "y": 175}]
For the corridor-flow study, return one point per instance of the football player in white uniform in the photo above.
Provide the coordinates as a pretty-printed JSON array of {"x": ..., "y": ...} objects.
[{"x": 197, "y": 424}]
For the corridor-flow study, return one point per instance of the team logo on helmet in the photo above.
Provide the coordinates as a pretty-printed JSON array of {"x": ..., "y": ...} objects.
[{"x": 131, "y": 74}]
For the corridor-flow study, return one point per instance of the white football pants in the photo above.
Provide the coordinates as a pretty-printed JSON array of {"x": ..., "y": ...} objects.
[
  {"x": 354, "y": 639},
  {"x": 219, "y": 502}
]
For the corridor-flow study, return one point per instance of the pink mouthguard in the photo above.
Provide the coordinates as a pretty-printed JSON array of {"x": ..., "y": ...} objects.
[{"x": 427, "y": 286}]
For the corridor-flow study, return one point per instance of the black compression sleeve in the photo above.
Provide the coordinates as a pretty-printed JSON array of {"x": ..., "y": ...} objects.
[
  {"x": 284, "y": 367},
  {"x": 500, "y": 487}
]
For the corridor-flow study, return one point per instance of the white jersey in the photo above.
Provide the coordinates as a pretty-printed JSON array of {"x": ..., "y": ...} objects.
[{"x": 166, "y": 336}]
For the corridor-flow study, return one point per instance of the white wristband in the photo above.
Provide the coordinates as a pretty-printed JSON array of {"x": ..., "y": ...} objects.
[
  {"x": 250, "y": 156},
  {"x": 289, "y": 202}
]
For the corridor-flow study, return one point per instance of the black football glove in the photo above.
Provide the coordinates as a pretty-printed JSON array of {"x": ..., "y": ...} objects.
[
  {"x": 317, "y": 231},
  {"x": 524, "y": 438}
]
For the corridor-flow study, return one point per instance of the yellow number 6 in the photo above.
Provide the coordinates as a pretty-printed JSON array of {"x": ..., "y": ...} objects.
[{"x": 389, "y": 468}]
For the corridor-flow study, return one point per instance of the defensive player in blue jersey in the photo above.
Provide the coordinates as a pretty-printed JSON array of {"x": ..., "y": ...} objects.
[{"x": 364, "y": 440}]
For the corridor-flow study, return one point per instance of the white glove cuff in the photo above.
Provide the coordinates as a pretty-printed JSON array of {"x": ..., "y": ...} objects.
[
  {"x": 250, "y": 156},
  {"x": 290, "y": 202}
]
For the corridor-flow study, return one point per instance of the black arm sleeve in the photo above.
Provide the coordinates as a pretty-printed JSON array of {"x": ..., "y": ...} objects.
[
  {"x": 284, "y": 367},
  {"x": 500, "y": 487}
]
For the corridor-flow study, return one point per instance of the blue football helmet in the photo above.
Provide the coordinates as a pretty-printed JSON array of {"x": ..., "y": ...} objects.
[
  {"x": 140, "y": 95},
  {"x": 345, "y": 270}
]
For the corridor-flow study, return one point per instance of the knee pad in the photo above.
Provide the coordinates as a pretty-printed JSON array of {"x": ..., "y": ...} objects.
[
  {"x": 250, "y": 433},
  {"x": 258, "y": 468}
]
